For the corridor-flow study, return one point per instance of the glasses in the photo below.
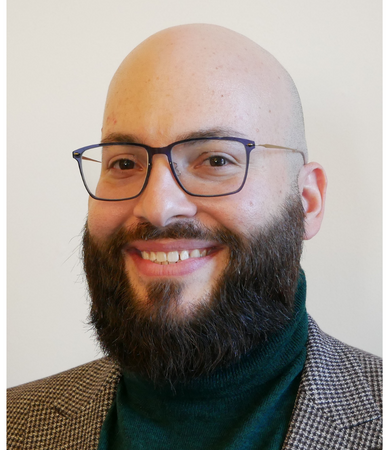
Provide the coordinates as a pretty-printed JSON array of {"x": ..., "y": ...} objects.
[{"x": 203, "y": 167}]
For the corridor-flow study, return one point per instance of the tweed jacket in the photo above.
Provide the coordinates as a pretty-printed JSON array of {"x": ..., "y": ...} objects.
[{"x": 338, "y": 405}]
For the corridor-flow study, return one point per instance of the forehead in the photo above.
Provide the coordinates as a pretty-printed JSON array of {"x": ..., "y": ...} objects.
[
  {"x": 178, "y": 113},
  {"x": 163, "y": 91}
]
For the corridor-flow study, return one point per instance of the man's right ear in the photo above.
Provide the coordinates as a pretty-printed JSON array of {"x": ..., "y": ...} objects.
[{"x": 312, "y": 183}]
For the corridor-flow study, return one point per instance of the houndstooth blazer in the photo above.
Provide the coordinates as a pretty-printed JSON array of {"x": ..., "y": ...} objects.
[{"x": 338, "y": 405}]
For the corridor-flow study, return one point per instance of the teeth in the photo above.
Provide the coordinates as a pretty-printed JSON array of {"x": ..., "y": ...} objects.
[
  {"x": 161, "y": 257},
  {"x": 184, "y": 255},
  {"x": 172, "y": 257},
  {"x": 195, "y": 254}
]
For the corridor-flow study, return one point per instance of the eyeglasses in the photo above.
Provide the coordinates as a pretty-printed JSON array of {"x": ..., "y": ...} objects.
[{"x": 203, "y": 167}]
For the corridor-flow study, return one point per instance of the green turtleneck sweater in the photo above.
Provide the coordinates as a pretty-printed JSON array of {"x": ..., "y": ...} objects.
[{"x": 246, "y": 406}]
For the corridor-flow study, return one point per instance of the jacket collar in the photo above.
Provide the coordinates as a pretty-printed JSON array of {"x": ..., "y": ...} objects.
[{"x": 88, "y": 383}]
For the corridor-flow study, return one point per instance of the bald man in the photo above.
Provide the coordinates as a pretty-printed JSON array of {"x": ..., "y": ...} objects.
[{"x": 201, "y": 195}]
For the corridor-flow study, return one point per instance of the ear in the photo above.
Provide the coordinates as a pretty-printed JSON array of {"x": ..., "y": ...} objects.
[{"x": 312, "y": 184}]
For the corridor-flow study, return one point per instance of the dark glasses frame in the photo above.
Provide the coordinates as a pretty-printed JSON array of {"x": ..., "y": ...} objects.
[{"x": 248, "y": 144}]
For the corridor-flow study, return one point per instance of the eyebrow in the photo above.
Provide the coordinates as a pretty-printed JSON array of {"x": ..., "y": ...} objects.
[
  {"x": 207, "y": 133},
  {"x": 119, "y": 137}
]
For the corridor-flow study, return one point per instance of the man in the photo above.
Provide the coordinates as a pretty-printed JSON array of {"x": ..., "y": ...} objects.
[{"x": 201, "y": 195}]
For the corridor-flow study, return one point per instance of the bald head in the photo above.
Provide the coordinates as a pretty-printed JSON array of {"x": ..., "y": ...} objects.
[{"x": 203, "y": 77}]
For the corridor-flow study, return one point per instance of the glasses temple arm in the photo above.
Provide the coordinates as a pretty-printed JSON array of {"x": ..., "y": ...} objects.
[{"x": 284, "y": 148}]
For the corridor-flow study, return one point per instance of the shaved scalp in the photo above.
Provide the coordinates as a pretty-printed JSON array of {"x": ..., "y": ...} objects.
[{"x": 202, "y": 67}]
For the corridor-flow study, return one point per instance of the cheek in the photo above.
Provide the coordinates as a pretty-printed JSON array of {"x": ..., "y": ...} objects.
[
  {"x": 104, "y": 218},
  {"x": 237, "y": 213},
  {"x": 251, "y": 208}
]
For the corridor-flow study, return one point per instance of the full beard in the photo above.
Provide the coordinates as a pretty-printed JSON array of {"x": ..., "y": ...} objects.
[{"x": 253, "y": 299}]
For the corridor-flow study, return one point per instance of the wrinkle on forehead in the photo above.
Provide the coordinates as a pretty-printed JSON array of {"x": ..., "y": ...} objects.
[{"x": 204, "y": 64}]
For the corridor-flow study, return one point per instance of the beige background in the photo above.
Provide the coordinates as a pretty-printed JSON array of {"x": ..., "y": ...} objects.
[{"x": 61, "y": 56}]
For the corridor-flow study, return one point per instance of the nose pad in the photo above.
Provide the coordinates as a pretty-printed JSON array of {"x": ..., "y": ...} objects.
[{"x": 163, "y": 200}]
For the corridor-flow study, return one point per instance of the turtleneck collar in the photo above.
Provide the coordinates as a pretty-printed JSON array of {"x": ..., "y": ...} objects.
[{"x": 255, "y": 396}]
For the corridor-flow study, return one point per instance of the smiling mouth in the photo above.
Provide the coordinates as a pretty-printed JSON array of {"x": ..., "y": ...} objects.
[{"x": 174, "y": 257}]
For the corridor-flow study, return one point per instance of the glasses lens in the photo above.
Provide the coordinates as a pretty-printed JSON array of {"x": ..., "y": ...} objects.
[
  {"x": 210, "y": 167},
  {"x": 115, "y": 172}
]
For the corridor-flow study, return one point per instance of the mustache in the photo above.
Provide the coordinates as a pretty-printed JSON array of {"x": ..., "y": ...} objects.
[{"x": 178, "y": 230}]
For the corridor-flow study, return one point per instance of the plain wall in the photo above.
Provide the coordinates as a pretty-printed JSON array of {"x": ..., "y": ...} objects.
[{"x": 61, "y": 57}]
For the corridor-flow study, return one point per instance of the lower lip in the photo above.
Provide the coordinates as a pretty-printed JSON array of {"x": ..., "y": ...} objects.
[{"x": 150, "y": 269}]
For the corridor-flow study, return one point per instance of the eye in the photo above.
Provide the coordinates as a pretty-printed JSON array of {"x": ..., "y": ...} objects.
[
  {"x": 123, "y": 164},
  {"x": 216, "y": 161}
]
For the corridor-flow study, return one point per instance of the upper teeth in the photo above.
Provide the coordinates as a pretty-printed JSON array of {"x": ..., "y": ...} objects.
[{"x": 173, "y": 257}]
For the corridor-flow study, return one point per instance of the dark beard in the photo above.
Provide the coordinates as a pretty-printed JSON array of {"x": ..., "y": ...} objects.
[{"x": 252, "y": 300}]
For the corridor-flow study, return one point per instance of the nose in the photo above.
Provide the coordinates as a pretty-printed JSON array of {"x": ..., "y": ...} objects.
[{"x": 163, "y": 201}]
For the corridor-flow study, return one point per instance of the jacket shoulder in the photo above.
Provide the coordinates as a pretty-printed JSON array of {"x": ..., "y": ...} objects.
[
  {"x": 81, "y": 380},
  {"x": 339, "y": 403},
  {"x": 67, "y": 394},
  {"x": 347, "y": 365}
]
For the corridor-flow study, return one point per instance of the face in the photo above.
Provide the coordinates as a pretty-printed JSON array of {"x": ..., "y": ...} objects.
[
  {"x": 216, "y": 299},
  {"x": 156, "y": 106}
]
